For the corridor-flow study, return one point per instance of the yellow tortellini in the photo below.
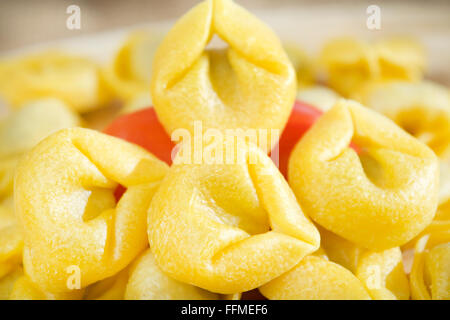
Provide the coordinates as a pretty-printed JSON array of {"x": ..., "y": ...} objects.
[
  {"x": 7, "y": 282},
  {"x": 84, "y": 215},
  {"x": 64, "y": 198},
  {"x": 11, "y": 243},
  {"x": 316, "y": 278},
  {"x": 72, "y": 79},
  {"x": 302, "y": 63},
  {"x": 129, "y": 74},
  {"x": 112, "y": 288},
  {"x": 251, "y": 84},
  {"x": 382, "y": 272},
  {"x": 430, "y": 274},
  {"x": 422, "y": 109},
  {"x": 380, "y": 198},
  {"x": 18, "y": 133},
  {"x": 144, "y": 280},
  {"x": 24, "y": 128},
  {"x": 148, "y": 282},
  {"x": 350, "y": 63},
  {"x": 228, "y": 228},
  {"x": 25, "y": 289},
  {"x": 340, "y": 250},
  {"x": 7, "y": 170},
  {"x": 444, "y": 189}
]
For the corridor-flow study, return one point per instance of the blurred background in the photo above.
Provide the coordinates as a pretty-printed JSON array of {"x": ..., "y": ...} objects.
[{"x": 307, "y": 22}]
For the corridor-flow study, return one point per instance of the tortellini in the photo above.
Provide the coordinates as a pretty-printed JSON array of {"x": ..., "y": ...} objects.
[
  {"x": 129, "y": 75},
  {"x": 84, "y": 215},
  {"x": 251, "y": 84},
  {"x": 378, "y": 199},
  {"x": 350, "y": 63},
  {"x": 430, "y": 274},
  {"x": 11, "y": 243},
  {"x": 228, "y": 228},
  {"x": 24, "y": 128},
  {"x": 64, "y": 198},
  {"x": 381, "y": 273},
  {"x": 422, "y": 109},
  {"x": 112, "y": 288},
  {"x": 25, "y": 289},
  {"x": 72, "y": 79},
  {"x": 339, "y": 250},
  {"x": 7, "y": 282},
  {"x": 302, "y": 63},
  {"x": 316, "y": 278},
  {"x": 148, "y": 282}
]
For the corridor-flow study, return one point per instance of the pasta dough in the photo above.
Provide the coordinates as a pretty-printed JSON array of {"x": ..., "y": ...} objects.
[
  {"x": 72, "y": 79},
  {"x": 24, "y": 128},
  {"x": 430, "y": 274},
  {"x": 350, "y": 63},
  {"x": 64, "y": 200},
  {"x": 380, "y": 199},
  {"x": 228, "y": 228},
  {"x": 251, "y": 84},
  {"x": 315, "y": 278},
  {"x": 148, "y": 282}
]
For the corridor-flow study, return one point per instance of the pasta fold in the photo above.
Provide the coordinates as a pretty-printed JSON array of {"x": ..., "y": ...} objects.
[
  {"x": 64, "y": 198},
  {"x": 380, "y": 198},
  {"x": 251, "y": 84},
  {"x": 316, "y": 278},
  {"x": 228, "y": 228},
  {"x": 148, "y": 282},
  {"x": 73, "y": 79},
  {"x": 430, "y": 273}
]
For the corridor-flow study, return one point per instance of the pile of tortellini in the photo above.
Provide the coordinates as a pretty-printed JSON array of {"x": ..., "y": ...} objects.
[{"x": 340, "y": 227}]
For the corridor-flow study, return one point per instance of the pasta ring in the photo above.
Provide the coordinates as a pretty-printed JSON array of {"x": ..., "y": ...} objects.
[
  {"x": 7, "y": 282},
  {"x": 25, "y": 289},
  {"x": 351, "y": 63},
  {"x": 315, "y": 278},
  {"x": 11, "y": 243},
  {"x": 65, "y": 203},
  {"x": 381, "y": 199},
  {"x": 228, "y": 228},
  {"x": 148, "y": 282},
  {"x": 430, "y": 273},
  {"x": 252, "y": 84},
  {"x": 129, "y": 74},
  {"x": 422, "y": 109},
  {"x": 72, "y": 79},
  {"x": 24, "y": 128},
  {"x": 382, "y": 272},
  {"x": 112, "y": 288}
]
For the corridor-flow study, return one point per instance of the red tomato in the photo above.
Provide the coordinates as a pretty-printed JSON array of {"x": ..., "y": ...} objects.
[{"x": 144, "y": 129}]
